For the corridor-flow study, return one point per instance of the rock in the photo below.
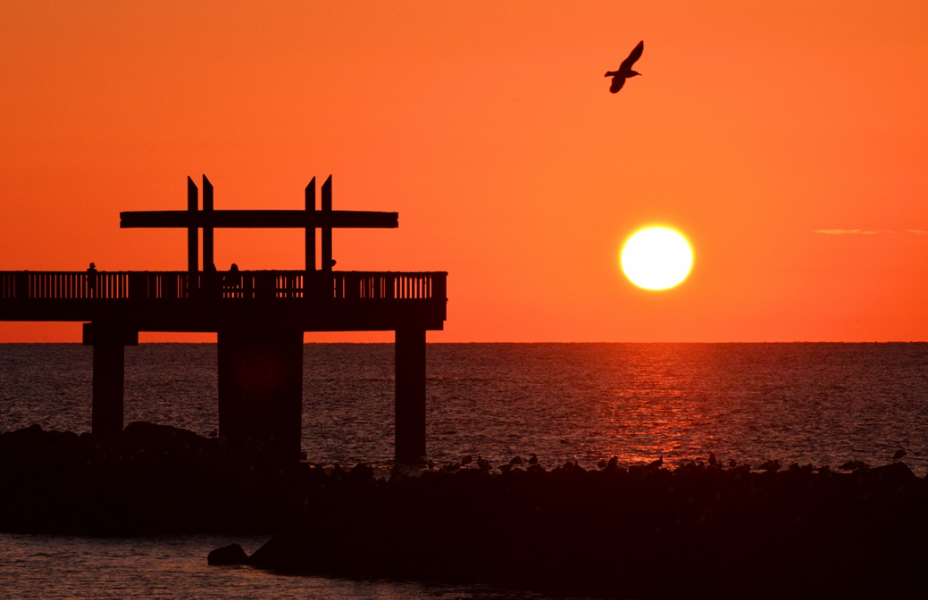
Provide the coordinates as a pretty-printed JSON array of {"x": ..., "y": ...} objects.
[
  {"x": 285, "y": 553},
  {"x": 162, "y": 437},
  {"x": 854, "y": 465},
  {"x": 896, "y": 474},
  {"x": 230, "y": 555},
  {"x": 771, "y": 466}
]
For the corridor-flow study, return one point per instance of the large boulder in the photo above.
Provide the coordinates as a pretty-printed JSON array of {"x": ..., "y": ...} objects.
[
  {"x": 162, "y": 438},
  {"x": 230, "y": 555},
  {"x": 286, "y": 552}
]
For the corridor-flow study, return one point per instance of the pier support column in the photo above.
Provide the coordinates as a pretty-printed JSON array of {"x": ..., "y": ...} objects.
[
  {"x": 261, "y": 390},
  {"x": 108, "y": 342},
  {"x": 410, "y": 396}
]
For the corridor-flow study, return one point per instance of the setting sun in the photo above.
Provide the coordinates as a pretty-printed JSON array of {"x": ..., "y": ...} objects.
[{"x": 656, "y": 258}]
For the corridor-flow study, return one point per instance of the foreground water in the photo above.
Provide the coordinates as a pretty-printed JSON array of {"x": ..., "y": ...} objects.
[
  {"x": 823, "y": 404},
  {"x": 55, "y": 567}
]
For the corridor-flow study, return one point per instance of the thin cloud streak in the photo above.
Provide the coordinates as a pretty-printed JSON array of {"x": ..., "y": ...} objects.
[
  {"x": 845, "y": 231},
  {"x": 868, "y": 232}
]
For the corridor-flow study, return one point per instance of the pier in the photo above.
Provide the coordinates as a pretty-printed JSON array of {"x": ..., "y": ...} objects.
[{"x": 259, "y": 317}]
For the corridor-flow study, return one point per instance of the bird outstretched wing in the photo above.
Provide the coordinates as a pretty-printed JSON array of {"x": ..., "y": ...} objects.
[
  {"x": 616, "y": 85},
  {"x": 632, "y": 57}
]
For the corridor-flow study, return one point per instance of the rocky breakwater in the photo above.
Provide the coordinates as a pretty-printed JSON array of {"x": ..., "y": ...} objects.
[
  {"x": 699, "y": 530},
  {"x": 151, "y": 479}
]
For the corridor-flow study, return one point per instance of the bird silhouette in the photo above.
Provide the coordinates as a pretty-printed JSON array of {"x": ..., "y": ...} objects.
[{"x": 625, "y": 69}]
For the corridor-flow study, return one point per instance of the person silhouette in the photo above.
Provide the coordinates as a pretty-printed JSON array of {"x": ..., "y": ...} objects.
[
  {"x": 234, "y": 279},
  {"x": 92, "y": 279}
]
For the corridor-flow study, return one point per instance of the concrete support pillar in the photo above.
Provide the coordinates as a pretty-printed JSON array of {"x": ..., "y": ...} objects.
[
  {"x": 108, "y": 381},
  {"x": 410, "y": 396},
  {"x": 261, "y": 390}
]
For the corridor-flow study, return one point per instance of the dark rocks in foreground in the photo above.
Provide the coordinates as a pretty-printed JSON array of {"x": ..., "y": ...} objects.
[
  {"x": 695, "y": 531},
  {"x": 151, "y": 479},
  {"x": 230, "y": 555}
]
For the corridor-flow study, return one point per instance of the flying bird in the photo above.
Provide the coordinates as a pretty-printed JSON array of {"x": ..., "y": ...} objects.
[{"x": 625, "y": 69}]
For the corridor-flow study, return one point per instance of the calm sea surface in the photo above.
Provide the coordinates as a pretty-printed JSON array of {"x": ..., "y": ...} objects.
[{"x": 809, "y": 403}]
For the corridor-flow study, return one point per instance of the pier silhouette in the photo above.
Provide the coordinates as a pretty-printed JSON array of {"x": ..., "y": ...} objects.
[{"x": 259, "y": 318}]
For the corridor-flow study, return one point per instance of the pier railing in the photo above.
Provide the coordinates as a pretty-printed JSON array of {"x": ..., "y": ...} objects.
[{"x": 244, "y": 285}]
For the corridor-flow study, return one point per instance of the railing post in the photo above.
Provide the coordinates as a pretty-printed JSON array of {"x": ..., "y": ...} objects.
[
  {"x": 22, "y": 285},
  {"x": 169, "y": 286}
]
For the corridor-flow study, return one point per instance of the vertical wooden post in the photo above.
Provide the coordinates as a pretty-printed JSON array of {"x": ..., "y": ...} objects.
[
  {"x": 410, "y": 396},
  {"x": 327, "y": 262},
  {"x": 192, "y": 244},
  {"x": 309, "y": 197},
  {"x": 208, "y": 260}
]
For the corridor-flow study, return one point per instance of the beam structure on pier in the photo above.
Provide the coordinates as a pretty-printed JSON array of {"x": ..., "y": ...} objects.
[
  {"x": 259, "y": 316},
  {"x": 309, "y": 219},
  {"x": 241, "y": 218}
]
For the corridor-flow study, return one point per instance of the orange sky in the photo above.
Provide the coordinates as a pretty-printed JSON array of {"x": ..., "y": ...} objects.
[{"x": 489, "y": 127}]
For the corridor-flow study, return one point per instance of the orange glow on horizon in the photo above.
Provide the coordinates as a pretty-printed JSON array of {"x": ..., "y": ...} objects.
[{"x": 787, "y": 138}]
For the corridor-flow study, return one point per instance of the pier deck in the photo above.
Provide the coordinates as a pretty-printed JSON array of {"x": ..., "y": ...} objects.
[{"x": 200, "y": 301}]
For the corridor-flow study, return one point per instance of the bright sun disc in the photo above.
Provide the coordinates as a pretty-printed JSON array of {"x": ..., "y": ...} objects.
[{"x": 656, "y": 258}]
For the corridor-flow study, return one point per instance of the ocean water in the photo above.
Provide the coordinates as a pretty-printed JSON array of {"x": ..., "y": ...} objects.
[
  {"x": 174, "y": 567},
  {"x": 823, "y": 404}
]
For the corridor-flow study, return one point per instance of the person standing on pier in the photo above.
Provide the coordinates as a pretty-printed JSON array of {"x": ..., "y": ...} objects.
[
  {"x": 92, "y": 279},
  {"x": 233, "y": 281}
]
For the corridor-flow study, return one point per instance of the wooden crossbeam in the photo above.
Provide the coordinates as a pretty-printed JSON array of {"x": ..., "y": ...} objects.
[{"x": 259, "y": 219}]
